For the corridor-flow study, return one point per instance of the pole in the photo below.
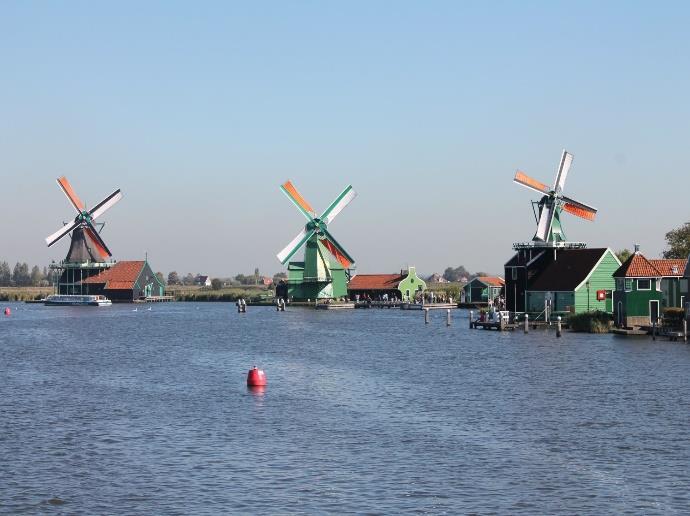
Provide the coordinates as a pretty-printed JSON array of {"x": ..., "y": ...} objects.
[
  {"x": 426, "y": 316},
  {"x": 654, "y": 330},
  {"x": 448, "y": 317},
  {"x": 526, "y": 323},
  {"x": 558, "y": 327},
  {"x": 685, "y": 330},
  {"x": 471, "y": 318}
]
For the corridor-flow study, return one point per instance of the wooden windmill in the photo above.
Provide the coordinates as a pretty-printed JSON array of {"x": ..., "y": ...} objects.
[
  {"x": 553, "y": 203},
  {"x": 87, "y": 244},
  {"x": 325, "y": 271}
]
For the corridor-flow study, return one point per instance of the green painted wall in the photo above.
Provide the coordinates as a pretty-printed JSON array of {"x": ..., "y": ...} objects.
[
  {"x": 600, "y": 279},
  {"x": 411, "y": 283},
  {"x": 560, "y": 301}
]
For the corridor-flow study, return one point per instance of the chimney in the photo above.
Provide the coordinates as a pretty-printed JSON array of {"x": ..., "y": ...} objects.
[{"x": 637, "y": 248}]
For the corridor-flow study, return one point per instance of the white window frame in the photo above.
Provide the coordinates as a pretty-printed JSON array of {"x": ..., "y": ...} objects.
[
  {"x": 628, "y": 284},
  {"x": 649, "y": 287},
  {"x": 658, "y": 309},
  {"x": 658, "y": 285},
  {"x": 620, "y": 284}
]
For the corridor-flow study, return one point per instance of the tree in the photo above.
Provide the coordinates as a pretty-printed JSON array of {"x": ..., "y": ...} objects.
[
  {"x": 456, "y": 274},
  {"x": 160, "y": 277},
  {"x": 188, "y": 279},
  {"x": 5, "y": 275},
  {"x": 678, "y": 241},
  {"x": 173, "y": 278},
  {"x": 36, "y": 276},
  {"x": 623, "y": 254},
  {"x": 279, "y": 276},
  {"x": 20, "y": 275},
  {"x": 216, "y": 284}
]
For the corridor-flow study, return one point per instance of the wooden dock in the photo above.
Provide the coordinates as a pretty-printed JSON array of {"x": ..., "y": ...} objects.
[
  {"x": 335, "y": 306},
  {"x": 429, "y": 306},
  {"x": 377, "y": 304},
  {"x": 155, "y": 299}
]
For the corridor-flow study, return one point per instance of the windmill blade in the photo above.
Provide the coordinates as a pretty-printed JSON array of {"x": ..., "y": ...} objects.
[
  {"x": 579, "y": 209},
  {"x": 62, "y": 232},
  {"x": 98, "y": 242},
  {"x": 297, "y": 242},
  {"x": 345, "y": 198},
  {"x": 105, "y": 204},
  {"x": 545, "y": 220},
  {"x": 66, "y": 187},
  {"x": 299, "y": 201},
  {"x": 563, "y": 169},
  {"x": 524, "y": 180},
  {"x": 336, "y": 250}
]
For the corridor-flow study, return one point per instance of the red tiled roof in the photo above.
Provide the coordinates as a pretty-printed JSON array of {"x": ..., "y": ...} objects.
[
  {"x": 375, "y": 282},
  {"x": 666, "y": 267},
  {"x": 493, "y": 281},
  {"x": 120, "y": 276},
  {"x": 637, "y": 266}
]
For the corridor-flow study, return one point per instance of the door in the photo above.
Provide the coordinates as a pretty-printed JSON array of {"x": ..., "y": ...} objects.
[
  {"x": 619, "y": 314},
  {"x": 654, "y": 311}
]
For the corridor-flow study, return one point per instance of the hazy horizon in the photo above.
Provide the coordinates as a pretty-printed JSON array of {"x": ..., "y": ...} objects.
[{"x": 198, "y": 112}]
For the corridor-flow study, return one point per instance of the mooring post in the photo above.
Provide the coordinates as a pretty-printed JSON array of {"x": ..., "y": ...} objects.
[
  {"x": 426, "y": 316},
  {"x": 685, "y": 330},
  {"x": 471, "y": 318},
  {"x": 448, "y": 317},
  {"x": 526, "y": 323},
  {"x": 558, "y": 327},
  {"x": 654, "y": 330}
]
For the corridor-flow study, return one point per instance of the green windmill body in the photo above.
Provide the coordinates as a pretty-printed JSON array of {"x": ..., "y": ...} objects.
[{"x": 324, "y": 273}]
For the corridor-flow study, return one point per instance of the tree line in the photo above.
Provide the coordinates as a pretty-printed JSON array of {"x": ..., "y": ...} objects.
[{"x": 22, "y": 276}]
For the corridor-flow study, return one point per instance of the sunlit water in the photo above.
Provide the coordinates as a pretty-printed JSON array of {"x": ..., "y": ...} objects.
[{"x": 115, "y": 411}]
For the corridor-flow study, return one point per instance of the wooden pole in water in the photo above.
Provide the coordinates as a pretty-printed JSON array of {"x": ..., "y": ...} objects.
[
  {"x": 654, "y": 330},
  {"x": 685, "y": 330},
  {"x": 471, "y": 318},
  {"x": 448, "y": 317},
  {"x": 526, "y": 323},
  {"x": 558, "y": 327},
  {"x": 426, "y": 316}
]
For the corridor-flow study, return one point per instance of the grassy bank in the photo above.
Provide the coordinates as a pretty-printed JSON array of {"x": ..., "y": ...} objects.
[
  {"x": 590, "y": 322},
  {"x": 250, "y": 293},
  {"x": 24, "y": 293}
]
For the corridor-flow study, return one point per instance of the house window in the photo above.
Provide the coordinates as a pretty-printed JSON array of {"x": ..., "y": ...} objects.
[
  {"x": 658, "y": 285},
  {"x": 684, "y": 285},
  {"x": 644, "y": 284},
  {"x": 619, "y": 284},
  {"x": 628, "y": 284}
]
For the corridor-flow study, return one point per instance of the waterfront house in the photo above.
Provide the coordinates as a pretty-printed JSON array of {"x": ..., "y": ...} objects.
[
  {"x": 569, "y": 280},
  {"x": 202, "y": 280},
  {"x": 645, "y": 287},
  {"x": 125, "y": 281},
  {"x": 484, "y": 289},
  {"x": 401, "y": 286}
]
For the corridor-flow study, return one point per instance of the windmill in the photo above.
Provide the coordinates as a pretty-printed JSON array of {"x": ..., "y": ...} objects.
[
  {"x": 553, "y": 203},
  {"x": 325, "y": 270},
  {"x": 87, "y": 244}
]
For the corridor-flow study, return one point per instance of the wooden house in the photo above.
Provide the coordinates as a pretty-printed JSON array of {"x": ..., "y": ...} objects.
[
  {"x": 125, "y": 281},
  {"x": 568, "y": 280},
  {"x": 645, "y": 287},
  {"x": 403, "y": 286},
  {"x": 483, "y": 289}
]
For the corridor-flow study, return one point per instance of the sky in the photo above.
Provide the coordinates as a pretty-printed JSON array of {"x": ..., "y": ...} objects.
[{"x": 198, "y": 111}]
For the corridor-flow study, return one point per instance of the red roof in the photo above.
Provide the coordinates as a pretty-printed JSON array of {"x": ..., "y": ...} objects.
[
  {"x": 492, "y": 281},
  {"x": 670, "y": 267},
  {"x": 375, "y": 282},
  {"x": 637, "y": 266},
  {"x": 120, "y": 276}
]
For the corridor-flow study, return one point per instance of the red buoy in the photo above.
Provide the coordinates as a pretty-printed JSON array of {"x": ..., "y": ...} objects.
[
  {"x": 8, "y": 311},
  {"x": 256, "y": 377}
]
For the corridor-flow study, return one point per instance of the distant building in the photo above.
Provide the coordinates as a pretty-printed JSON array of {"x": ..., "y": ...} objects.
[
  {"x": 401, "y": 286},
  {"x": 569, "y": 280},
  {"x": 266, "y": 281},
  {"x": 437, "y": 278},
  {"x": 484, "y": 289},
  {"x": 125, "y": 281},
  {"x": 644, "y": 287},
  {"x": 203, "y": 281}
]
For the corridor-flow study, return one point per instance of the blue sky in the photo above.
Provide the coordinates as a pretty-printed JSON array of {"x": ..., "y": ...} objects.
[{"x": 199, "y": 110}]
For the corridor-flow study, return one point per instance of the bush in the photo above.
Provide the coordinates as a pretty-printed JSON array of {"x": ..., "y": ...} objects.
[
  {"x": 674, "y": 317},
  {"x": 590, "y": 322}
]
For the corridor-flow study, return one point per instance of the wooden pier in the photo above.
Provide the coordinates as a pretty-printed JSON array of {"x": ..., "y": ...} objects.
[
  {"x": 155, "y": 299},
  {"x": 427, "y": 306}
]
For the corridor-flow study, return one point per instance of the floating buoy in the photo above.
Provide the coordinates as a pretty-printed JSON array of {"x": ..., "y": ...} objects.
[
  {"x": 8, "y": 311},
  {"x": 256, "y": 377}
]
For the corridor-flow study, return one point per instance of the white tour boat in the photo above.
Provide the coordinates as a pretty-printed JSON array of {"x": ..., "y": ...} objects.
[{"x": 77, "y": 300}]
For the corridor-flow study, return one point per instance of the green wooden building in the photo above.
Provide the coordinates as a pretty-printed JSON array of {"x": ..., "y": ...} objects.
[
  {"x": 568, "y": 280},
  {"x": 483, "y": 289},
  {"x": 645, "y": 287},
  {"x": 405, "y": 286}
]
